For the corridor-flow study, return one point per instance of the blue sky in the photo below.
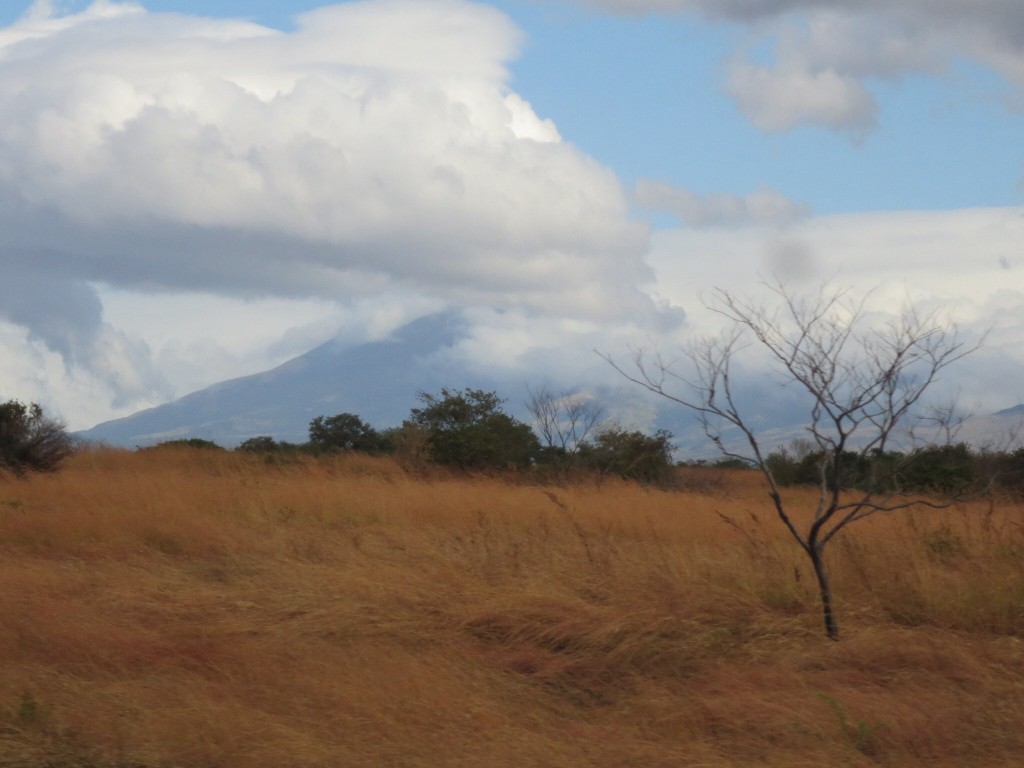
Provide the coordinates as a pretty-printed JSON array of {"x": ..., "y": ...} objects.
[
  {"x": 659, "y": 148},
  {"x": 645, "y": 95}
]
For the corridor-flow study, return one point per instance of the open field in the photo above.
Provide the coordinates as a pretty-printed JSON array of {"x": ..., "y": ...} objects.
[{"x": 200, "y": 609}]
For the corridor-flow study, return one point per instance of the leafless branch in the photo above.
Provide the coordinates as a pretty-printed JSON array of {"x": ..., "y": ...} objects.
[{"x": 864, "y": 382}]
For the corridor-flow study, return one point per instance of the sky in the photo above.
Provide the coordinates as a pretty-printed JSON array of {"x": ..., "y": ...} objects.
[{"x": 193, "y": 191}]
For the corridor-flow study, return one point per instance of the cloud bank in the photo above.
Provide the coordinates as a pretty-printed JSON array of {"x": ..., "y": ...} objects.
[
  {"x": 965, "y": 265},
  {"x": 764, "y": 206},
  {"x": 378, "y": 144},
  {"x": 814, "y": 62}
]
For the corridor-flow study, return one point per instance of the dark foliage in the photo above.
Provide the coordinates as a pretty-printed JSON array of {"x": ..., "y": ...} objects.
[
  {"x": 1000, "y": 472},
  {"x": 1010, "y": 472},
  {"x": 31, "y": 441},
  {"x": 191, "y": 442},
  {"x": 946, "y": 469},
  {"x": 469, "y": 430},
  {"x": 345, "y": 432},
  {"x": 265, "y": 444},
  {"x": 632, "y": 455},
  {"x": 260, "y": 444}
]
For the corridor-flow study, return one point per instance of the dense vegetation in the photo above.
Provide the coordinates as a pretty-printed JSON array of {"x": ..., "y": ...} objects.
[
  {"x": 191, "y": 607},
  {"x": 950, "y": 470},
  {"x": 469, "y": 430}
]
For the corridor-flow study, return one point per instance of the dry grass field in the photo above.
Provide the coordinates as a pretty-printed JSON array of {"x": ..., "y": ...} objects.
[{"x": 194, "y": 609}]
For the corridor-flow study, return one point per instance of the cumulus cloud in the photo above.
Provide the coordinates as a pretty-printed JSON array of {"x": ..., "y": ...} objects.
[
  {"x": 766, "y": 205},
  {"x": 824, "y": 55},
  {"x": 779, "y": 99},
  {"x": 378, "y": 144},
  {"x": 375, "y": 151}
]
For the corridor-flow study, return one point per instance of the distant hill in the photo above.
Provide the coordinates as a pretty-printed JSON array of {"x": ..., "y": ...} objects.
[{"x": 378, "y": 381}]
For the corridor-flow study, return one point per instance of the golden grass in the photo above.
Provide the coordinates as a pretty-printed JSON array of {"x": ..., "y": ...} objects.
[{"x": 190, "y": 608}]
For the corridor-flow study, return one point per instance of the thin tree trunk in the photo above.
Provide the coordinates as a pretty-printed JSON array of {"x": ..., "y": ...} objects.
[{"x": 831, "y": 627}]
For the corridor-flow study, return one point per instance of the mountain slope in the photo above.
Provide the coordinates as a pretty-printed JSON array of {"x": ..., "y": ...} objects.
[{"x": 378, "y": 381}]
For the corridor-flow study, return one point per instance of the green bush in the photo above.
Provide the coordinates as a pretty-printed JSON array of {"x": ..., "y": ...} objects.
[
  {"x": 633, "y": 455},
  {"x": 470, "y": 430},
  {"x": 191, "y": 442},
  {"x": 947, "y": 469},
  {"x": 346, "y": 432},
  {"x": 259, "y": 444}
]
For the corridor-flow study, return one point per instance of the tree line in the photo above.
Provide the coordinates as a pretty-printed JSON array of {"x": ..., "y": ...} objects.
[
  {"x": 467, "y": 429},
  {"x": 950, "y": 470},
  {"x": 470, "y": 430}
]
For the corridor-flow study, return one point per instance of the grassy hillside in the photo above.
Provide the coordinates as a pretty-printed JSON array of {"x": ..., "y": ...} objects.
[{"x": 199, "y": 609}]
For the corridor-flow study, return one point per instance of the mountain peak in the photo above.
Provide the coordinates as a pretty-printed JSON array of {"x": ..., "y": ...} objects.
[{"x": 377, "y": 380}]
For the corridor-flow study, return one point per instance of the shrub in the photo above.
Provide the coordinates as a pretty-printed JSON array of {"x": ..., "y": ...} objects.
[
  {"x": 632, "y": 455},
  {"x": 191, "y": 442},
  {"x": 345, "y": 432},
  {"x": 259, "y": 444},
  {"x": 470, "y": 430},
  {"x": 30, "y": 440}
]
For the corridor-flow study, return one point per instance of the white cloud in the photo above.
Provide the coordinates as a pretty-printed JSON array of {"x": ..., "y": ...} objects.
[
  {"x": 780, "y": 99},
  {"x": 378, "y": 144},
  {"x": 376, "y": 153},
  {"x": 826, "y": 54},
  {"x": 766, "y": 205},
  {"x": 961, "y": 263}
]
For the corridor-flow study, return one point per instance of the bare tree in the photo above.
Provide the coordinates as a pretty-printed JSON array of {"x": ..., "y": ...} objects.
[
  {"x": 864, "y": 384},
  {"x": 565, "y": 421}
]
